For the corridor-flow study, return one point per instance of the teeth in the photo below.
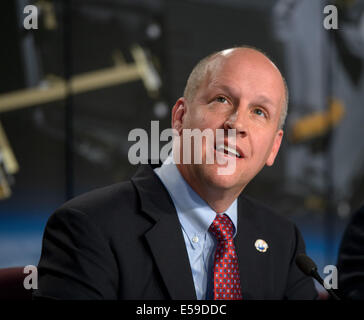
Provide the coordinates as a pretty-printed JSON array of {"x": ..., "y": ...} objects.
[{"x": 223, "y": 148}]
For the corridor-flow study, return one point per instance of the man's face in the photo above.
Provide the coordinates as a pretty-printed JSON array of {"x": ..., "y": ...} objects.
[{"x": 242, "y": 90}]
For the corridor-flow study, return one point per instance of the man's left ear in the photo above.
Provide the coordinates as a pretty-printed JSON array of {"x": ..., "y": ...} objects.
[{"x": 275, "y": 148}]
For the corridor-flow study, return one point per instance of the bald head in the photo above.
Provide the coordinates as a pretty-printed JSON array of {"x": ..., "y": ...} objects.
[{"x": 214, "y": 61}]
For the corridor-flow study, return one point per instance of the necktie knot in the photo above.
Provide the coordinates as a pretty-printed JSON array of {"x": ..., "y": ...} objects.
[{"x": 222, "y": 228}]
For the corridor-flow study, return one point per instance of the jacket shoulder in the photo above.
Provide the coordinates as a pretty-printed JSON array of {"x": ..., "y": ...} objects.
[
  {"x": 102, "y": 198},
  {"x": 263, "y": 214},
  {"x": 104, "y": 206}
]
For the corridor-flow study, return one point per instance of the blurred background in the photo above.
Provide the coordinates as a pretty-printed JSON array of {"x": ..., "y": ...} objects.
[{"x": 73, "y": 88}]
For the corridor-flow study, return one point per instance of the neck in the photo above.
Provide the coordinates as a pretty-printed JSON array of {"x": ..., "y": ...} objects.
[{"x": 218, "y": 199}]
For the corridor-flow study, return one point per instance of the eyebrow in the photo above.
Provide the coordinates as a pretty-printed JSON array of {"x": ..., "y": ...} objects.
[
  {"x": 264, "y": 99},
  {"x": 231, "y": 91}
]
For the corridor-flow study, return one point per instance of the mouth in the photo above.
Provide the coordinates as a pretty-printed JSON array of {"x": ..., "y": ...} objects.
[{"x": 223, "y": 148}]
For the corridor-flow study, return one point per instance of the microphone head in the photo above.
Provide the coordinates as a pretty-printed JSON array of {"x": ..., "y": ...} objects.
[{"x": 306, "y": 265}]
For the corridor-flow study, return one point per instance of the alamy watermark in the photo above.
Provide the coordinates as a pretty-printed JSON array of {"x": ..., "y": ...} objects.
[
  {"x": 31, "y": 280},
  {"x": 219, "y": 146},
  {"x": 331, "y": 280},
  {"x": 31, "y": 19},
  {"x": 331, "y": 20}
]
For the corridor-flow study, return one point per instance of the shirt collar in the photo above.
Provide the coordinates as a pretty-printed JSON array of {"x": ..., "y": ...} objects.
[{"x": 194, "y": 213}]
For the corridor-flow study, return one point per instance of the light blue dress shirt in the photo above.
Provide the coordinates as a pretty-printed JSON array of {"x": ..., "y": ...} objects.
[{"x": 195, "y": 216}]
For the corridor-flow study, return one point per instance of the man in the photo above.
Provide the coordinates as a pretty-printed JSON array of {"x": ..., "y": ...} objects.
[{"x": 184, "y": 231}]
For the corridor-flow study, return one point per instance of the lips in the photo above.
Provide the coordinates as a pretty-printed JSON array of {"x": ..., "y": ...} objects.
[{"x": 228, "y": 150}]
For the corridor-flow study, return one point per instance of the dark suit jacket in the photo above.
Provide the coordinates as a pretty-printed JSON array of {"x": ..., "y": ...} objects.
[
  {"x": 351, "y": 259},
  {"x": 125, "y": 242}
]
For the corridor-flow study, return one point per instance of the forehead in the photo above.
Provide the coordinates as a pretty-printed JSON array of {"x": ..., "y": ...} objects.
[{"x": 244, "y": 69}]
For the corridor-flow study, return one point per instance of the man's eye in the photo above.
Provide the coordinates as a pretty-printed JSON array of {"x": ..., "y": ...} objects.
[
  {"x": 259, "y": 112},
  {"x": 221, "y": 99}
]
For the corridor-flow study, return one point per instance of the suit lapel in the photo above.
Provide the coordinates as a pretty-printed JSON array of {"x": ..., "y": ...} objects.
[
  {"x": 253, "y": 265},
  {"x": 165, "y": 238}
]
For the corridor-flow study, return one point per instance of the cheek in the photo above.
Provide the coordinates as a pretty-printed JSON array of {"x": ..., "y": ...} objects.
[
  {"x": 262, "y": 145},
  {"x": 212, "y": 119},
  {"x": 205, "y": 118},
  {"x": 267, "y": 146},
  {"x": 199, "y": 119}
]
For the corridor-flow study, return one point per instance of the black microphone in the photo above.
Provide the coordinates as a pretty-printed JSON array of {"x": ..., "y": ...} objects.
[{"x": 309, "y": 268}]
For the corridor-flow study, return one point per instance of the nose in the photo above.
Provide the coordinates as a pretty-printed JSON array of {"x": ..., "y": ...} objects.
[{"x": 237, "y": 121}]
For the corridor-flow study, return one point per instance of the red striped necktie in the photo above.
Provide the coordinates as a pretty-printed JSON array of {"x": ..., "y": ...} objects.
[{"x": 226, "y": 268}]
